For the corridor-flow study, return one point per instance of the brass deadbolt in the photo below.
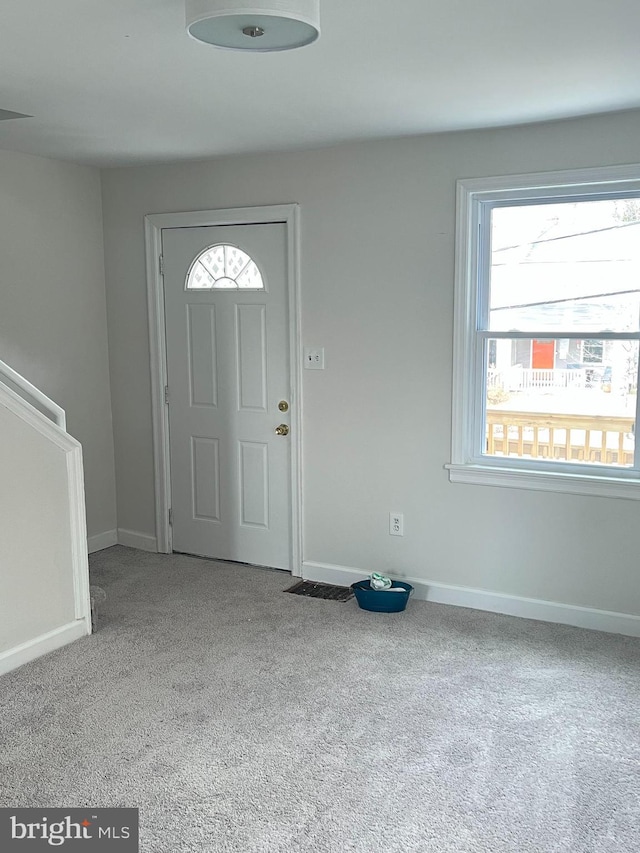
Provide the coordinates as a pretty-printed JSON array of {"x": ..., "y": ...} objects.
[{"x": 283, "y": 406}]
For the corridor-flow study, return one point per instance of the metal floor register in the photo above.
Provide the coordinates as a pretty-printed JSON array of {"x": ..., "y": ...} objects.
[{"x": 321, "y": 590}]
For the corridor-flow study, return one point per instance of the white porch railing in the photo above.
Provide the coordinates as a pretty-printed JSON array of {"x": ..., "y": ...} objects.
[{"x": 528, "y": 378}]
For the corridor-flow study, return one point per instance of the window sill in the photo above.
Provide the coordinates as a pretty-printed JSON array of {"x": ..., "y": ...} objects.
[{"x": 545, "y": 481}]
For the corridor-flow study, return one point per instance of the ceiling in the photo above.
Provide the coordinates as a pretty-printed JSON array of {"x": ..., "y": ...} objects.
[{"x": 117, "y": 82}]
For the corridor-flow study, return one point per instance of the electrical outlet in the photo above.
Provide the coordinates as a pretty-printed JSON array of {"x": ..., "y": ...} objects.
[
  {"x": 314, "y": 358},
  {"x": 396, "y": 524}
]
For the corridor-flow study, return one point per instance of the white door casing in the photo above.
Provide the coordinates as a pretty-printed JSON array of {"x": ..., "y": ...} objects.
[{"x": 250, "y": 329}]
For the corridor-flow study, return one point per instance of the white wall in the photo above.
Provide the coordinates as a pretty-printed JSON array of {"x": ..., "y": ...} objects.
[
  {"x": 377, "y": 287},
  {"x": 53, "y": 314},
  {"x": 43, "y": 564}
]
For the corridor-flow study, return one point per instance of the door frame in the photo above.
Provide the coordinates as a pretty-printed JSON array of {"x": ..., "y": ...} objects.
[{"x": 289, "y": 215}]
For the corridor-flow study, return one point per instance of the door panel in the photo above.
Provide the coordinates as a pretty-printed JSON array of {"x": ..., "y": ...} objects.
[
  {"x": 205, "y": 477},
  {"x": 251, "y": 342},
  {"x": 227, "y": 367},
  {"x": 201, "y": 345},
  {"x": 254, "y": 484}
]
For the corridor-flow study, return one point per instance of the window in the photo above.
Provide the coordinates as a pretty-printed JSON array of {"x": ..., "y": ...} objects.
[
  {"x": 593, "y": 351},
  {"x": 224, "y": 267},
  {"x": 547, "y": 332}
]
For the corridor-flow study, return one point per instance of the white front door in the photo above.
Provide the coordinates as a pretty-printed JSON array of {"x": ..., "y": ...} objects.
[{"x": 225, "y": 291}]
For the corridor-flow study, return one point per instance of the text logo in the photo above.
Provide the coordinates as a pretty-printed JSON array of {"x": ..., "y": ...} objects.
[{"x": 27, "y": 830}]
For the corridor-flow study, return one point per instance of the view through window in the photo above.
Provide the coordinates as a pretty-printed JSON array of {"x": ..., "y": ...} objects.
[{"x": 559, "y": 328}]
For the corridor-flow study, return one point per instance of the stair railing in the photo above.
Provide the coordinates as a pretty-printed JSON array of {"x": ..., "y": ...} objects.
[{"x": 13, "y": 380}]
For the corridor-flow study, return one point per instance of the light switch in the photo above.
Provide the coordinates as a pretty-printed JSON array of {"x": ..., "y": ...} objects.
[{"x": 314, "y": 358}]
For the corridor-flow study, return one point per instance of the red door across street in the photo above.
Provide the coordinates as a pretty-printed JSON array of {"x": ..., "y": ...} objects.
[{"x": 543, "y": 355}]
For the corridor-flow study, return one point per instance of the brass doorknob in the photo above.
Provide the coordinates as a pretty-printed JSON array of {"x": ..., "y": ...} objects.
[{"x": 282, "y": 429}]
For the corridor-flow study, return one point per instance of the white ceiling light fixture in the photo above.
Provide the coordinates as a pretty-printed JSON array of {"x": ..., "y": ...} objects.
[{"x": 258, "y": 26}]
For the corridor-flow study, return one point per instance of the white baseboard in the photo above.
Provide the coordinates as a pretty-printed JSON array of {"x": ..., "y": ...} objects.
[
  {"x": 102, "y": 540},
  {"x": 135, "y": 539},
  {"x": 49, "y": 642},
  {"x": 494, "y": 602},
  {"x": 122, "y": 536}
]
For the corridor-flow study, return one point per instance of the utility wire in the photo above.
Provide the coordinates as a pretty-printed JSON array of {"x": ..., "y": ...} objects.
[
  {"x": 567, "y": 236},
  {"x": 557, "y": 263},
  {"x": 559, "y": 301}
]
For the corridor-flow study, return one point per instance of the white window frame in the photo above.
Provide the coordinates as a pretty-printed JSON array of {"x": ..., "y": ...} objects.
[{"x": 468, "y": 463}]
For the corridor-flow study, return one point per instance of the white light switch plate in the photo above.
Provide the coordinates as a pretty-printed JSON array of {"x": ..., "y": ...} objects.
[{"x": 314, "y": 358}]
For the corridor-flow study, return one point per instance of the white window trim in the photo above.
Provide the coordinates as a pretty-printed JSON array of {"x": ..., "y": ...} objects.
[{"x": 466, "y": 466}]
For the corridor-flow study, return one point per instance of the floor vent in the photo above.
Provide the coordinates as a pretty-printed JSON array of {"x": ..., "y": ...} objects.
[{"x": 321, "y": 590}]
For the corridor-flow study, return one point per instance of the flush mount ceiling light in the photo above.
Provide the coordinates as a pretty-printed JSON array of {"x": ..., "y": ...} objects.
[{"x": 254, "y": 25}]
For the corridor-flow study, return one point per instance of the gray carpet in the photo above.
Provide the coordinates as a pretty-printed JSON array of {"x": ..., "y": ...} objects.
[{"x": 238, "y": 718}]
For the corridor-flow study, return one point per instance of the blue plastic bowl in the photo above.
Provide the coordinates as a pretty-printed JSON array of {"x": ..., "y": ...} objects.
[{"x": 381, "y": 600}]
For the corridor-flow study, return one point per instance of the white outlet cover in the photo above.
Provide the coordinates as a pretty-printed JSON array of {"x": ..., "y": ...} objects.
[{"x": 396, "y": 524}]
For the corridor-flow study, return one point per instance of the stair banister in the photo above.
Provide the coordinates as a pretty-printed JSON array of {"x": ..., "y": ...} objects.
[{"x": 13, "y": 380}]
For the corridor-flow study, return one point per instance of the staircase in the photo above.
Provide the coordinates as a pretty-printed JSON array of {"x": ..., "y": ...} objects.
[{"x": 44, "y": 575}]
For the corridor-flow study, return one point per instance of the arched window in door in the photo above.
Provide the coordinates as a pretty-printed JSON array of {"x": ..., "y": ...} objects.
[{"x": 224, "y": 267}]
